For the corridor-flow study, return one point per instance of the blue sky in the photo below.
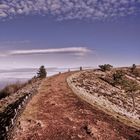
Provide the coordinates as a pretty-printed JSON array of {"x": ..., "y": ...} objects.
[{"x": 69, "y": 33}]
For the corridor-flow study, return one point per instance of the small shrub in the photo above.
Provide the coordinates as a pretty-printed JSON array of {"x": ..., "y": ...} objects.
[
  {"x": 133, "y": 67},
  {"x": 3, "y": 94},
  {"x": 118, "y": 77},
  {"x": 81, "y": 68},
  {"x": 105, "y": 67}
]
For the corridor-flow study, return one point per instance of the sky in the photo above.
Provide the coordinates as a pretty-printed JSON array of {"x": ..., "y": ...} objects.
[{"x": 69, "y": 33}]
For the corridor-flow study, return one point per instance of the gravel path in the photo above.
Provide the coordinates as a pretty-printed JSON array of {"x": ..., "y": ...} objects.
[{"x": 56, "y": 113}]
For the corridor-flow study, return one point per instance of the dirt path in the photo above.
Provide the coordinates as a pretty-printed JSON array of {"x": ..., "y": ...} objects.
[{"x": 56, "y": 113}]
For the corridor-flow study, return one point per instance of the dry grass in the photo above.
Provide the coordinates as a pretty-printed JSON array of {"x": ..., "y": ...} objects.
[{"x": 11, "y": 89}]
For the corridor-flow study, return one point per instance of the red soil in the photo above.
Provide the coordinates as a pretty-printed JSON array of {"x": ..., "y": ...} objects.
[{"x": 56, "y": 113}]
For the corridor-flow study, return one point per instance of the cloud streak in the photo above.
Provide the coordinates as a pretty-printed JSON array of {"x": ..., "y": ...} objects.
[
  {"x": 70, "y": 9},
  {"x": 70, "y": 50},
  {"x": 77, "y": 51}
]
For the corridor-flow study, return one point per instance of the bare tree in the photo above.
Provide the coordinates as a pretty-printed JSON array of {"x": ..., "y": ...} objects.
[{"x": 133, "y": 90}]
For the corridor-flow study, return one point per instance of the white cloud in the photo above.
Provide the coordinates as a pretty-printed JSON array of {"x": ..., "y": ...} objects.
[
  {"x": 71, "y": 9},
  {"x": 19, "y": 11},
  {"x": 79, "y": 51},
  {"x": 4, "y": 6},
  {"x": 2, "y": 14},
  {"x": 12, "y": 10}
]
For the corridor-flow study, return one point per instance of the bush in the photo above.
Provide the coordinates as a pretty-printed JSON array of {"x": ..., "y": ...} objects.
[
  {"x": 118, "y": 77},
  {"x": 105, "y": 67},
  {"x": 3, "y": 94}
]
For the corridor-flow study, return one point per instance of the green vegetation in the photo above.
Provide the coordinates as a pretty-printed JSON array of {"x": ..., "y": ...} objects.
[
  {"x": 105, "y": 67},
  {"x": 42, "y": 72},
  {"x": 118, "y": 77}
]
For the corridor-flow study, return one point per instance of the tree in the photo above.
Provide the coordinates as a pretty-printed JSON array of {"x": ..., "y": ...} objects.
[
  {"x": 105, "y": 67},
  {"x": 135, "y": 71},
  {"x": 133, "y": 90},
  {"x": 42, "y": 72},
  {"x": 133, "y": 67}
]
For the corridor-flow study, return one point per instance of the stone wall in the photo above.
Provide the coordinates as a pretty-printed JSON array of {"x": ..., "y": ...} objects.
[{"x": 8, "y": 118}]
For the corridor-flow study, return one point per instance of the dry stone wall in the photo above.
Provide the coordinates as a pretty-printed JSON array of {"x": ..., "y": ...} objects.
[{"x": 8, "y": 117}]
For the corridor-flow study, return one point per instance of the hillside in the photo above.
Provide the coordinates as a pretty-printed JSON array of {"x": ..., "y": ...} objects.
[
  {"x": 97, "y": 88},
  {"x": 56, "y": 113}
]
